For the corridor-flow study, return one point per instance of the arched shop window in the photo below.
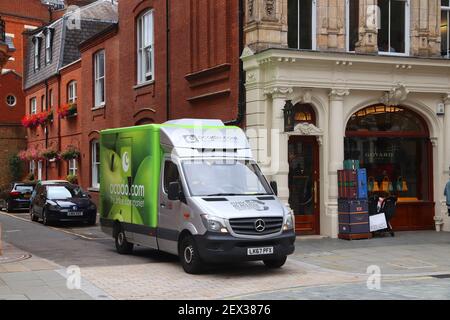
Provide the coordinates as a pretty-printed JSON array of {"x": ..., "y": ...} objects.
[{"x": 392, "y": 143}]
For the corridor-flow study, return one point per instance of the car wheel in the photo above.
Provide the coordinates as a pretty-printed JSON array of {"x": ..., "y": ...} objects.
[
  {"x": 275, "y": 263},
  {"x": 9, "y": 207},
  {"x": 33, "y": 217},
  {"x": 122, "y": 245},
  {"x": 189, "y": 256},
  {"x": 45, "y": 221},
  {"x": 92, "y": 221}
]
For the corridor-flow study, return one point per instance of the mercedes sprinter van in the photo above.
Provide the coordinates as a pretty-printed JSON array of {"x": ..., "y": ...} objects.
[{"x": 191, "y": 188}]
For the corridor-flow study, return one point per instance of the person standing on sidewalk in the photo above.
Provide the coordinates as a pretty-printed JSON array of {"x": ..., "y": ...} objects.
[{"x": 447, "y": 195}]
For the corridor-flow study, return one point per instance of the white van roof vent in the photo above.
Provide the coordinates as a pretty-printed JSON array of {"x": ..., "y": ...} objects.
[{"x": 196, "y": 122}]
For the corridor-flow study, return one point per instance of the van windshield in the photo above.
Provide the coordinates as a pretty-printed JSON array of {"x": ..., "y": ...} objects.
[{"x": 224, "y": 178}]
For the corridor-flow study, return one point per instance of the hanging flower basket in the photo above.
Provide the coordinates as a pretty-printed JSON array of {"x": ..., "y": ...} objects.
[
  {"x": 50, "y": 154},
  {"x": 70, "y": 153},
  {"x": 41, "y": 118},
  {"x": 31, "y": 154},
  {"x": 67, "y": 110}
]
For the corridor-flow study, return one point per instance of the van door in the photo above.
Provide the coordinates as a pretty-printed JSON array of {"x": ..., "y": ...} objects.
[{"x": 169, "y": 211}]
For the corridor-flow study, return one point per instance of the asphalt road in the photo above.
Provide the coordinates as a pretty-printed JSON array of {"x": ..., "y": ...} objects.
[
  {"x": 71, "y": 244},
  {"x": 307, "y": 275}
]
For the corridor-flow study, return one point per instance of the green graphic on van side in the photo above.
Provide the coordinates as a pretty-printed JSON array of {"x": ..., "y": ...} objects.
[{"x": 129, "y": 175}]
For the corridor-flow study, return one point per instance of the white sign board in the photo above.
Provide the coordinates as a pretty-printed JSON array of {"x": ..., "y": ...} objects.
[{"x": 378, "y": 222}]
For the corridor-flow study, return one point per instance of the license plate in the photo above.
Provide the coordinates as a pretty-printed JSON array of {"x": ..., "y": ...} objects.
[
  {"x": 27, "y": 196},
  {"x": 259, "y": 251},
  {"x": 75, "y": 213}
]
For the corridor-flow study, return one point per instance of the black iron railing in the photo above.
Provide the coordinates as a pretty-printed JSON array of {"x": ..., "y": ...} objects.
[{"x": 2, "y": 30}]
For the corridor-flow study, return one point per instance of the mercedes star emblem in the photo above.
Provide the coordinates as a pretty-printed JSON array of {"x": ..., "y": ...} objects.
[{"x": 260, "y": 225}]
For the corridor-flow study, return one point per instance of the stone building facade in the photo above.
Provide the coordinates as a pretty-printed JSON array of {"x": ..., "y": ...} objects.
[{"x": 354, "y": 73}]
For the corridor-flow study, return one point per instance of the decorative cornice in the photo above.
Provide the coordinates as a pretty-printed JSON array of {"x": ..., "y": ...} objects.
[
  {"x": 278, "y": 92},
  {"x": 338, "y": 94},
  {"x": 247, "y": 52},
  {"x": 306, "y": 129},
  {"x": 446, "y": 98},
  {"x": 395, "y": 96}
]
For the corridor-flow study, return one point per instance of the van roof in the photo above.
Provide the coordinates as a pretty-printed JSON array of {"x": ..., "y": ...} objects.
[{"x": 193, "y": 134}]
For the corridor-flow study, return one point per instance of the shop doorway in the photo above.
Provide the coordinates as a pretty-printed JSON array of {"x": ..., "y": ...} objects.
[{"x": 304, "y": 188}]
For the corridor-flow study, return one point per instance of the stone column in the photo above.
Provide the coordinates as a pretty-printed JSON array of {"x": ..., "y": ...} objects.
[
  {"x": 336, "y": 132},
  {"x": 279, "y": 143},
  {"x": 425, "y": 28},
  {"x": 265, "y": 24},
  {"x": 368, "y": 32},
  {"x": 331, "y": 25},
  {"x": 447, "y": 135}
]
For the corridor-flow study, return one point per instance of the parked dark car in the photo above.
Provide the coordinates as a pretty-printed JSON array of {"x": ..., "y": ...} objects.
[
  {"x": 57, "y": 201},
  {"x": 17, "y": 197}
]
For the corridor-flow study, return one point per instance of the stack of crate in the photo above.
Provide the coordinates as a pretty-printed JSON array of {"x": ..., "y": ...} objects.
[{"x": 353, "y": 206}]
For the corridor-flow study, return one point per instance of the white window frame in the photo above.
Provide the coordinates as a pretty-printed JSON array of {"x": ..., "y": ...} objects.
[
  {"x": 347, "y": 25},
  {"x": 95, "y": 166},
  {"x": 145, "y": 41},
  {"x": 447, "y": 10},
  {"x": 98, "y": 79},
  {"x": 36, "y": 54},
  {"x": 407, "y": 32},
  {"x": 48, "y": 47},
  {"x": 14, "y": 102},
  {"x": 33, "y": 105},
  {"x": 72, "y": 166},
  {"x": 39, "y": 170},
  {"x": 72, "y": 92},
  {"x": 313, "y": 25},
  {"x": 32, "y": 166},
  {"x": 50, "y": 99}
]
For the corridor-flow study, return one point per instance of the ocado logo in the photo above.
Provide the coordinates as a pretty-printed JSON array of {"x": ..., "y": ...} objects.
[{"x": 125, "y": 162}]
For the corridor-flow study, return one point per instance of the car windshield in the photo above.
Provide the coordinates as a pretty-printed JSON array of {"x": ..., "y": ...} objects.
[
  {"x": 64, "y": 192},
  {"x": 24, "y": 188},
  {"x": 224, "y": 178}
]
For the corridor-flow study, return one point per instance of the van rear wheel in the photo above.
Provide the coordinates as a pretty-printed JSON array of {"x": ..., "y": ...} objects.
[
  {"x": 275, "y": 263},
  {"x": 122, "y": 245},
  {"x": 189, "y": 257}
]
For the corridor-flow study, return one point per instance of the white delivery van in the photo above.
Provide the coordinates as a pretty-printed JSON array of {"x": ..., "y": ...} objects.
[{"x": 191, "y": 188}]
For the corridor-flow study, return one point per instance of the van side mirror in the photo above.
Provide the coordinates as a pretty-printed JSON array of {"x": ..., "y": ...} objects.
[
  {"x": 174, "y": 191},
  {"x": 274, "y": 186}
]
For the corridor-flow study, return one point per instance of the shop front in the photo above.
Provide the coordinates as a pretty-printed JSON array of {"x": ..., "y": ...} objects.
[
  {"x": 385, "y": 112},
  {"x": 393, "y": 144}
]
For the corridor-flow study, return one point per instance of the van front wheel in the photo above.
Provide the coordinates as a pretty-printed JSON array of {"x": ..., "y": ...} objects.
[
  {"x": 189, "y": 256},
  {"x": 122, "y": 245},
  {"x": 275, "y": 263}
]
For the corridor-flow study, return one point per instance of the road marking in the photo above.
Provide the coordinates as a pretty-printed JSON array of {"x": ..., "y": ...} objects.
[{"x": 50, "y": 227}]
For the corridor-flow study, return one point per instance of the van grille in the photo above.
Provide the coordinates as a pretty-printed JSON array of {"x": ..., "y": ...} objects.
[{"x": 247, "y": 226}]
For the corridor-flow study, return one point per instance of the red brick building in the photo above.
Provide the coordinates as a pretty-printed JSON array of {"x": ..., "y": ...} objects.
[
  {"x": 16, "y": 17},
  {"x": 134, "y": 72}
]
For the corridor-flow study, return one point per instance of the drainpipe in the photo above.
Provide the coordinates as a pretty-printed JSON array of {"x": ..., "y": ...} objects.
[
  {"x": 241, "y": 91},
  {"x": 167, "y": 60},
  {"x": 46, "y": 128},
  {"x": 59, "y": 123}
]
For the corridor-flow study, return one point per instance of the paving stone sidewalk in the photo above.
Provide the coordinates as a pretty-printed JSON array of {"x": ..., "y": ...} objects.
[{"x": 26, "y": 277}]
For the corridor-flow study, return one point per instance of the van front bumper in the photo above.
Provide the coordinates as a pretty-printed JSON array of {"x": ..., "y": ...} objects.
[{"x": 217, "y": 247}]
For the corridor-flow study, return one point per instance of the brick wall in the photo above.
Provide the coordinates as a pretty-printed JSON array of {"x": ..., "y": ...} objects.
[
  {"x": 12, "y": 140},
  {"x": 11, "y": 84},
  {"x": 18, "y": 15}
]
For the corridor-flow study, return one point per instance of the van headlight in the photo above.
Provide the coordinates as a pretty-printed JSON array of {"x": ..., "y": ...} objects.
[
  {"x": 214, "y": 224},
  {"x": 290, "y": 222}
]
